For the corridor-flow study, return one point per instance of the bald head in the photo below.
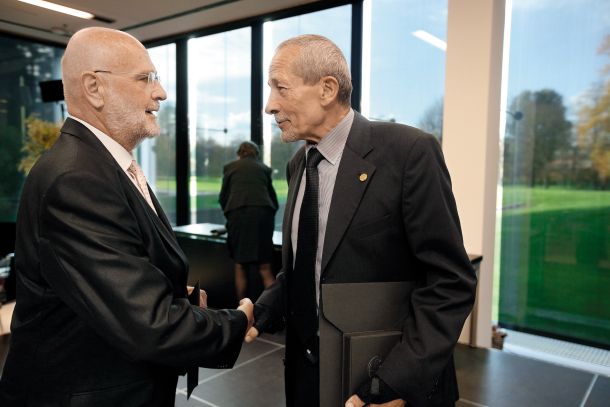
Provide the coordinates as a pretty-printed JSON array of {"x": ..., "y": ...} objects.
[
  {"x": 107, "y": 83},
  {"x": 91, "y": 49}
]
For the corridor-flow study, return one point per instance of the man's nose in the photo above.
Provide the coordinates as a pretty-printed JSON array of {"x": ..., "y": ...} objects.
[
  {"x": 271, "y": 106},
  {"x": 159, "y": 93}
]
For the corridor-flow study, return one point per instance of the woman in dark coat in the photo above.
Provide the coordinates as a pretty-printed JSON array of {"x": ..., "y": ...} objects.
[{"x": 249, "y": 203}]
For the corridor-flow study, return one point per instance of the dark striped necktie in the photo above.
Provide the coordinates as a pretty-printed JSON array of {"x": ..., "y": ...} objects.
[{"x": 303, "y": 293}]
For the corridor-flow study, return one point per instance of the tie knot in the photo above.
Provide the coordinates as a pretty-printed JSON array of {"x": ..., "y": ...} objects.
[
  {"x": 133, "y": 168},
  {"x": 313, "y": 158}
]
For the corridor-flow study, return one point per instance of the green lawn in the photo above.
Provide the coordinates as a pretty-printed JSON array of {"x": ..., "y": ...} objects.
[
  {"x": 209, "y": 188},
  {"x": 555, "y": 262}
]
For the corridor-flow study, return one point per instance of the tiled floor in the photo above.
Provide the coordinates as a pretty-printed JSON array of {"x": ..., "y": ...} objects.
[
  {"x": 491, "y": 377},
  {"x": 487, "y": 377},
  {"x": 256, "y": 380}
]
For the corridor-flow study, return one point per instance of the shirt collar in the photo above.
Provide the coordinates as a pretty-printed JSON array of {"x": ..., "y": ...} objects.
[
  {"x": 331, "y": 146},
  {"x": 118, "y": 152}
]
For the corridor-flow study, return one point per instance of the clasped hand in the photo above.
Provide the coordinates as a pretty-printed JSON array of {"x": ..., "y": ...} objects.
[
  {"x": 355, "y": 401},
  {"x": 203, "y": 296},
  {"x": 246, "y": 306}
]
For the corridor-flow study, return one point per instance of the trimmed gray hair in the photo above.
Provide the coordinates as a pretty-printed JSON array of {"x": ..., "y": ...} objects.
[{"x": 319, "y": 57}]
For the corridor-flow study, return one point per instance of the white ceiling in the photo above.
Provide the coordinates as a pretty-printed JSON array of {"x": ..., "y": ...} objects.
[{"x": 134, "y": 16}]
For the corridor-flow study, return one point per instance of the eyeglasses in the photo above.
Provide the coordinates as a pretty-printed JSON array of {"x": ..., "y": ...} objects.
[{"x": 150, "y": 77}]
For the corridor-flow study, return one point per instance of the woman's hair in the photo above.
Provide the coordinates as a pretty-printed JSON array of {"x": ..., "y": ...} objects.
[{"x": 248, "y": 149}]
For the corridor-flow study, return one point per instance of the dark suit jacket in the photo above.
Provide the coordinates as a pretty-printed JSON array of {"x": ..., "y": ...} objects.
[
  {"x": 102, "y": 317},
  {"x": 247, "y": 182},
  {"x": 400, "y": 224}
]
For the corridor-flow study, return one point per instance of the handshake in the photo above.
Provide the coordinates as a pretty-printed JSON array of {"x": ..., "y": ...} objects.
[{"x": 245, "y": 306}]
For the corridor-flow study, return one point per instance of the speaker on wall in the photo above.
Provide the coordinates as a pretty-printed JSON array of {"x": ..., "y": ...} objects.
[{"x": 51, "y": 91}]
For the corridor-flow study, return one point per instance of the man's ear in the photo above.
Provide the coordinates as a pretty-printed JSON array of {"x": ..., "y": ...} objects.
[
  {"x": 329, "y": 90},
  {"x": 93, "y": 90}
]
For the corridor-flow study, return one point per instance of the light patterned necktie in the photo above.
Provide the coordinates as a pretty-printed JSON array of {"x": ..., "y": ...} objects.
[{"x": 137, "y": 172}]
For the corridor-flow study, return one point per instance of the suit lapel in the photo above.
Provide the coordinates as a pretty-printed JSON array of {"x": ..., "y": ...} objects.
[
  {"x": 160, "y": 213},
  {"x": 295, "y": 175},
  {"x": 161, "y": 222},
  {"x": 353, "y": 177},
  {"x": 158, "y": 219}
]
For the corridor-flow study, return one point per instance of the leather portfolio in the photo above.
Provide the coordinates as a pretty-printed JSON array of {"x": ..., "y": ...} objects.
[{"x": 359, "y": 324}]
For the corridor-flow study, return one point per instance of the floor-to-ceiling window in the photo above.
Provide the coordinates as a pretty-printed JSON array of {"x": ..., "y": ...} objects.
[
  {"x": 157, "y": 156},
  {"x": 554, "y": 260},
  {"x": 23, "y": 65},
  {"x": 219, "y": 114},
  {"x": 335, "y": 24},
  {"x": 403, "y": 62}
]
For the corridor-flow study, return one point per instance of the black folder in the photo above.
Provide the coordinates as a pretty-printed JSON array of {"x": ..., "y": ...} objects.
[{"x": 359, "y": 324}]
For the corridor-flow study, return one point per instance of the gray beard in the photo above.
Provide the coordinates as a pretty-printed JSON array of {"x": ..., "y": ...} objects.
[{"x": 129, "y": 129}]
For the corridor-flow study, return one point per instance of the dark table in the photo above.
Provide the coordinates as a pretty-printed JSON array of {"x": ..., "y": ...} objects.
[{"x": 211, "y": 265}]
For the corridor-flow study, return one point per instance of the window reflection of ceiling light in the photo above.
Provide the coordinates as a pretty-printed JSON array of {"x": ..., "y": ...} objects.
[
  {"x": 63, "y": 30},
  {"x": 60, "y": 9},
  {"x": 430, "y": 39}
]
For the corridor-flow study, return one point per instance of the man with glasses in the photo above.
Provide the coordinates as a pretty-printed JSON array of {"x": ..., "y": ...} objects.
[{"x": 103, "y": 314}]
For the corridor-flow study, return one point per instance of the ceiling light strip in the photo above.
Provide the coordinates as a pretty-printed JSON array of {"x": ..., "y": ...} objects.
[{"x": 60, "y": 9}]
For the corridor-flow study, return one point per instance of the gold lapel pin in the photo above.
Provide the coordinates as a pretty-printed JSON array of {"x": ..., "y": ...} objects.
[{"x": 363, "y": 177}]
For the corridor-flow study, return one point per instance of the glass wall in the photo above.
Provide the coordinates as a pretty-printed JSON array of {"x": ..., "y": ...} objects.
[
  {"x": 23, "y": 65},
  {"x": 335, "y": 24},
  {"x": 403, "y": 62},
  {"x": 555, "y": 218},
  {"x": 219, "y": 114},
  {"x": 157, "y": 156}
]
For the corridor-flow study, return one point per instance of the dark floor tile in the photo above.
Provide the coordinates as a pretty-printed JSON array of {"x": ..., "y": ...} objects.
[
  {"x": 468, "y": 403},
  {"x": 600, "y": 394},
  {"x": 181, "y": 401},
  {"x": 498, "y": 379},
  {"x": 259, "y": 383},
  {"x": 279, "y": 337},
  {"x": 249, "y": 351}
]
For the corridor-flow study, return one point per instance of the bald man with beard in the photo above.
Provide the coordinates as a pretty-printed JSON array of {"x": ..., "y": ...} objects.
[{"x": 103, "y": 316}]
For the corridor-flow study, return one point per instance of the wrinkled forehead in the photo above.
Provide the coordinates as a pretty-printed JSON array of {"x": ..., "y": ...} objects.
[{"x": 283, "y": 63}]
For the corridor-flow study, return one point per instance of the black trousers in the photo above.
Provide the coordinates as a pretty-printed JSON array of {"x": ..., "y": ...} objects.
[{"x": 301, "y": 374}]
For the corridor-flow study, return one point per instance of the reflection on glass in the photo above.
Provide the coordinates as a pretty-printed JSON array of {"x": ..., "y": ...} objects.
[
  {"x": 335, "y": 24},
  {"x": 555, "y": 220},
  {"x": 403, "y": 62},
  {"x": 24, "y": 65},
  {"x": 219, "y": 114},
  {"x": 157, "y": 156}
]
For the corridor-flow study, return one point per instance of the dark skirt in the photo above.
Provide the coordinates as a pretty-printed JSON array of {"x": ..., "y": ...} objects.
[{"x": 250, "y": 234}]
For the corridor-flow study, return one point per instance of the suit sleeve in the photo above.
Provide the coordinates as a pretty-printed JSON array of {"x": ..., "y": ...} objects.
[
  {"x": 269, "y": 310},
  {"x": 271, "y": 190},
  {"x": 94, "y": 260},
  {"x": 223, "y": 197},
  {"x": 439, "y": 307}
]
